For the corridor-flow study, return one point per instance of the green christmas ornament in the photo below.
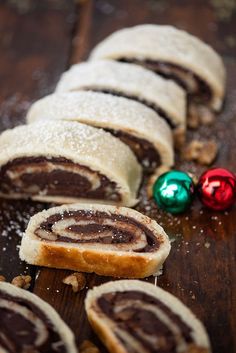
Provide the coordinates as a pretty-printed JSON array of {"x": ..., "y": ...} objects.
[{"x": 173, "y": 191}]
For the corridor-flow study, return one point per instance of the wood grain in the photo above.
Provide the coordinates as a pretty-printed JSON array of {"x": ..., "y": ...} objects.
[{"x": 37, "y": 43}]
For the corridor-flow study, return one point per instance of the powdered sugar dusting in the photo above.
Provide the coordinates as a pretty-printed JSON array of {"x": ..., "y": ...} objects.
[
  {"x": 107, "y": 111},
  {"x": 128, "y": 79},
  {"x": 163, "y": 43}
]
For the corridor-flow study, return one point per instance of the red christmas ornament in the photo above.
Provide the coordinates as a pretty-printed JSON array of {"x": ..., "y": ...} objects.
[{"x": 217, "y": 189}]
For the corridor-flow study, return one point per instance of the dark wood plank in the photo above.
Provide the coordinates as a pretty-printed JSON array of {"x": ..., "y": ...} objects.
[
  {"x": 212, "y": 20},
  {"x": 201, "y": 267},
  {"x": 35, "y": 41}
]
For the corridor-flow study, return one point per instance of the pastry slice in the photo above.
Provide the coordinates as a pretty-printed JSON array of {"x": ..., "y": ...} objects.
[
  {"x": 107, "y": 240},
  {"x": 172, "y": 53},
  {"x": 147, "y": 134},
  {"x": 130, "y": 81},
  {"x": 28, "y": 324},
  {"x": 135, "y": 316},
  {"x": 64, "y": 162}
]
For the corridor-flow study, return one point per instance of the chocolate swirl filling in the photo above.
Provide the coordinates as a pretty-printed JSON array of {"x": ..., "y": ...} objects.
[
  {"x": 89, "y": 228},
  {"x": 144, "y": 150},
  {"x": 198, "y": 90},
  {"x": 24, "y": 328},
  {"x": 56, "y": 176},
  {"x": 143, "y": 323}
]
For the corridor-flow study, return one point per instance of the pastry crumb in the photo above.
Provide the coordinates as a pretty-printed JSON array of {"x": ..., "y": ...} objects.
[
  {"x": 2, "y": 278},
  {"x": 203, "y": 152},
  {"x": 206, "y": 116},
  {"x": 22, "y": 281},
  {"x": 88, "y": 347},
  {"x": 207, "y": 245},
  {"x": 179, "y": 135},
  {"x": 193, "y": 120},
  {"x": 199, "y": 115},
  {"x": 76, "y": 280}
]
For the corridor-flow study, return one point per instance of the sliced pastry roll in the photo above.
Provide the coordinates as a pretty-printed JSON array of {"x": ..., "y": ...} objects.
[
  {"x": 172, "y": 53},
  {"x": 130, "y": 81},
  {"x": 147, "y": 134},
  {"x": 28, "y": 324},
  {"x": 63, "y": 161},
  {"x": 107, "y": 240},
  {"x": 135, "y": 316}
]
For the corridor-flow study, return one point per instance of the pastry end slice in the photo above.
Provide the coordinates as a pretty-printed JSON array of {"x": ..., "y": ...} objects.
[{"x": 135, "y": 316}]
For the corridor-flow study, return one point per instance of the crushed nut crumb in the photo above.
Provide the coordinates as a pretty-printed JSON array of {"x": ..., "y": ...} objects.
[
  {"x": 203, "y": 152},
  {"x": 76, "y": 280},
  {"x": 88, "y": 347},
  {"x": 22, "y": 281},
  {"x": 199, "y": 115},
  {"x": 193, "y": 120},
  {"x": 2, "y": 278},
  {"x": 206, "y": 116},
  {"x": 179, "y": 136}
]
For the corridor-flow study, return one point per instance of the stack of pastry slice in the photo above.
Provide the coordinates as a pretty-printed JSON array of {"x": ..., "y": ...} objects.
[{"x": 134, "y": 87}]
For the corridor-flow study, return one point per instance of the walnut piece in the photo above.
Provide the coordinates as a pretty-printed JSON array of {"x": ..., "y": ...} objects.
[
  {"x": 2, "y": 278},
  {"x": 88, "y": 347},
  {"x": 22, "y": 281},
  {"x": 206, "y": 116},
  {"x": 76, "y": 280},
  {"x": 193, "y": 120},
  {"x": 179, "y": 135},
  {"x": 203, "y": 152},
  {"x": 199, "y": 115}
]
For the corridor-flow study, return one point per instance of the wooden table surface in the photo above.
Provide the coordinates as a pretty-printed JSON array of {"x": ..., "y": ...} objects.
[{"x": 38, "y": 41}]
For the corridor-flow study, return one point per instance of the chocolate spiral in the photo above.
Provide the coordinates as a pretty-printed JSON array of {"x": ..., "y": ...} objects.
[
  {"x": 195, "y": 87},
  {"x": 144, "y": 324},
  {"x": 91, "y": 228},
  {"x": 24, "y": 328},
  {"x": 55, "y": 176}
]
